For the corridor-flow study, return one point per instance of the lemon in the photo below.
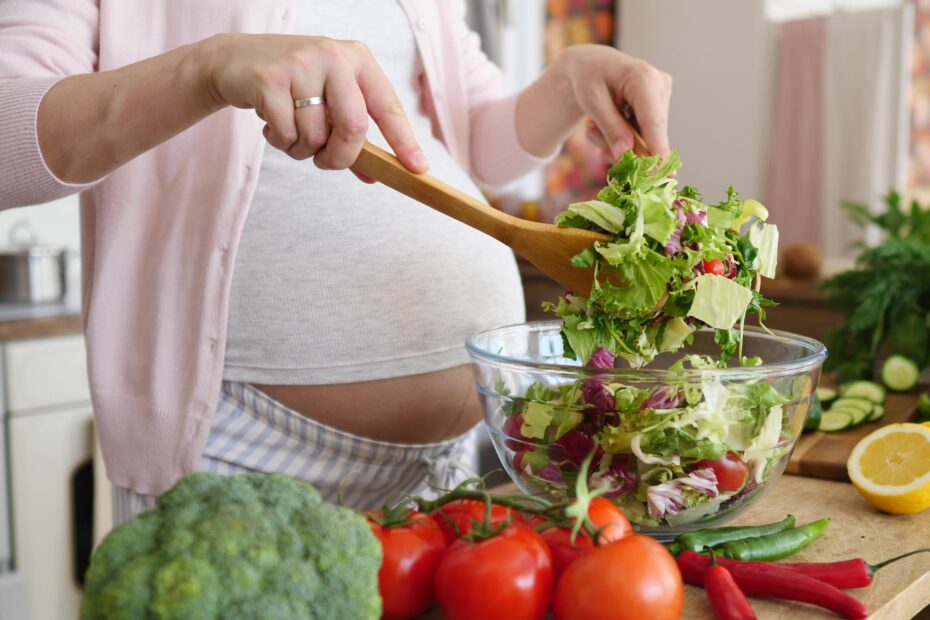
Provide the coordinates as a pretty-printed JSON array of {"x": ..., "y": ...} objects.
[{"x": 891, "y": 468}]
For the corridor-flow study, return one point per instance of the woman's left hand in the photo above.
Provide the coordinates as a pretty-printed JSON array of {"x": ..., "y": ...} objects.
[{"x": 597, "y": 81}]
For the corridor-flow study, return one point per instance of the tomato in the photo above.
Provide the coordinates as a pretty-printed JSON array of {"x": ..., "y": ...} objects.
[
  {"x": 609, "y": 519},
  {"x": 463, "y": 513},
  {"x": 629, "y": 579},
  {"x": 605, "y": 516},
  {"x": 715, "y": 266},
  {"x": 507, "y": 577},
  {"x": 411, "y": 554},
  {"x": 730, "y": 470}
]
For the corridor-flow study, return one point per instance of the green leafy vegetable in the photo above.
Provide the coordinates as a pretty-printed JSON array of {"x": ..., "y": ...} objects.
[
  {"x": 650, "y": 291},
  {"x": 886, "y": 297}
]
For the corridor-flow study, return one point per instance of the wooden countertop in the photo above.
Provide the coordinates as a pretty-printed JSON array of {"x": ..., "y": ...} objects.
[
  {"x": 29, "y": 322},
  {"x": 899, "y": 591}
]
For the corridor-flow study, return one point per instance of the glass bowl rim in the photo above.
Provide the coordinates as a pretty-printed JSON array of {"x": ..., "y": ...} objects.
[{"x": 816, "y": 354}]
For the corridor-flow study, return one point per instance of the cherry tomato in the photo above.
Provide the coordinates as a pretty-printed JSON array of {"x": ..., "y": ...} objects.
[
  {"x": 605, "y": 516},
  {"x": 730, "y": 470},
  {"x": 507, "y": 577},
  {"x": 411, "y": 554},
  {"x": 463, "y": 513},
  {"x": 715, "y": 266},
  {"x": 629, "y": 579}
]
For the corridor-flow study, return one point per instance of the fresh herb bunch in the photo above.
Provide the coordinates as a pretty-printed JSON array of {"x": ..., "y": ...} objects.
[
  {"x": 674, "y": 264},
  {"x": 886, "y": 297}
]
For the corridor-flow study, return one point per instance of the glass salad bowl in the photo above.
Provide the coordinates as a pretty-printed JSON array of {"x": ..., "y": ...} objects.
[{"x": 679, "y": 445}]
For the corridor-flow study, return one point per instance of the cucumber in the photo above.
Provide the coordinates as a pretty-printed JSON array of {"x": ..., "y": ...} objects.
[
  {"x": 856, "y": 414},
  {"x": 812, "y": 423},
  {"x": 878, "y": 412},
  {"x": 833, "y": 421},
  {"x": 864, "y": 389},
  {"x": 854, "y": 402},
  {"x": 899, "y": 373},
  {"x": 826, "y": 395}
]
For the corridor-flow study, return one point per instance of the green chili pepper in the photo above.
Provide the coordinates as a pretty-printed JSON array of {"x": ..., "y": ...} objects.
[
  {"x": 775, "y": 546},
  {"x": 674, "y": 547},
  {"x": 711, "y": 537}
]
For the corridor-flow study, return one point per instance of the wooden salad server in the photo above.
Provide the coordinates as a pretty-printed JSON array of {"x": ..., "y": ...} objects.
[{"x": 547, "y": 246}]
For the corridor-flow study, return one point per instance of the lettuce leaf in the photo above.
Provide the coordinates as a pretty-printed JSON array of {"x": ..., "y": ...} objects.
[
  {"x": 719, "y": 301},
  {"x": 602, "y": 214}
]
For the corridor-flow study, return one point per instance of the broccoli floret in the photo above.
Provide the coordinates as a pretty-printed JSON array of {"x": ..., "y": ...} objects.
[{"x": 249, "y": 546}]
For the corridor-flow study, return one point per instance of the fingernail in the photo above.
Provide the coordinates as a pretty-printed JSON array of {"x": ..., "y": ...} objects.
[
  {"x": 420, "y": 159},
  {"x": 621, "y": 146}
]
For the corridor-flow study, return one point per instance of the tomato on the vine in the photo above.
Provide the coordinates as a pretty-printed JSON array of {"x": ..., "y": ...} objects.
[
  {"x": 715, "y": 266},
  {"x": 460, "y": 516},
  {"x": 610, "y": 521},
  {"x": 629, "y": 579},
  {"x": 507, "y": 576},
  {"x": 730, "y": 469},
  {"x": 411, "y": 550}
]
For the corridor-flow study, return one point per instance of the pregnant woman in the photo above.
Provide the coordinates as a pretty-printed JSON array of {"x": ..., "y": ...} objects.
[{"x": 246, "y": 309}]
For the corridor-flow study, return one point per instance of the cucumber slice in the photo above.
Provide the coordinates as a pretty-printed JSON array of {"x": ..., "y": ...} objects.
[
  {"x": 878, "y": 412},
  {"x": 864, "y": 389},
  {"x": 826, "y": 395},
  {"x": 857, "y": 414},
  {"x": 899, "y": 373},
  {"x": 833, "y": 421},
  {"x": 812, "y": 423},
  {"x": 854, "y": 402}
]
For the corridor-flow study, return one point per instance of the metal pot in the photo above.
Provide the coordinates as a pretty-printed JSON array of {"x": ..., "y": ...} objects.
[{"x": 29, "y": 272}]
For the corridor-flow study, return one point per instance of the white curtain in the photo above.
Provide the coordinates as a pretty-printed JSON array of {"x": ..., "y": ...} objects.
[{"x": 865, "y": 115}]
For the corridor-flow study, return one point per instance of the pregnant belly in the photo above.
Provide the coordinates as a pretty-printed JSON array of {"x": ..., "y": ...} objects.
[{"x": 414, "y": 409}]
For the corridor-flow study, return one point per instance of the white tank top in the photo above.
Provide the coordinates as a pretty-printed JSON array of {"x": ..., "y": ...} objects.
[{"x": 337, "y": 281}]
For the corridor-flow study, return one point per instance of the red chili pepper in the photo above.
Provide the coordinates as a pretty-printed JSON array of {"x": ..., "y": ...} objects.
[
  {"x": 777, "y": 583},
  {"x": 846, "y": 574},
  {"x": 726, "y": 598}
]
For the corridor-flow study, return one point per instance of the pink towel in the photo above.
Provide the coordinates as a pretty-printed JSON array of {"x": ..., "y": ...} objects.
[{"x": 795, "y": 176}]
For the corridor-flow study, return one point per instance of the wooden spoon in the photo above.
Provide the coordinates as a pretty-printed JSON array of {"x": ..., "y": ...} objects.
[{"x": 547, "y": 246}]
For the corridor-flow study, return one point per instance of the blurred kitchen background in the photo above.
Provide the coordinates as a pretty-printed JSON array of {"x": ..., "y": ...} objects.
[{"x": 799, "y": 103}]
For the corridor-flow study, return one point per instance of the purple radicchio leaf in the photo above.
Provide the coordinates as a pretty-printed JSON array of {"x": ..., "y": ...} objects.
[
  {"x": 551, "y": 473},
  {"x": 665, "y": 498},
  {"x": 704, "y": 481},
  {"x": 699, "y": 218},
  {"x": 573, "y": 447},
  {"x": 618, "y": 479},
  {"x": 598, "y": 395},
  {"x": 663, "y": 397},
  {"x": 602, "y": 358},
  {"x": 674, "y": 243}
]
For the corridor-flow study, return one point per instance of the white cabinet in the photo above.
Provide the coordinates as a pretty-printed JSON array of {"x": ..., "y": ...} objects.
[
  {"x": 45, "y": 373},
  {"x": 47, "y": 411},
  {"x": 46, "y": 449}
]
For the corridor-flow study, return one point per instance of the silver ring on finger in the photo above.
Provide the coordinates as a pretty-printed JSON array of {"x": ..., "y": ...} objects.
[{"x": 309, "y": 101}]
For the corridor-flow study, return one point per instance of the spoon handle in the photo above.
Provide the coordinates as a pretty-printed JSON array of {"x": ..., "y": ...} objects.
[{"x": 382, "y": 166}]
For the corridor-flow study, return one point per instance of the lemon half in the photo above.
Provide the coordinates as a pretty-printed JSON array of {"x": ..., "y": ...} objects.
[{"x": 891, "y": 468}]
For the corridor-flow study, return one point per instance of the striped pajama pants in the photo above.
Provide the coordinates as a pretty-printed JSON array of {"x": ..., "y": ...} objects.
[{"x": 251, "y": 432}]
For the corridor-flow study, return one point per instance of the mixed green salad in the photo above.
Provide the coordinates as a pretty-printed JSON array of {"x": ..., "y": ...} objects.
[{"x": 673, "y": 453}]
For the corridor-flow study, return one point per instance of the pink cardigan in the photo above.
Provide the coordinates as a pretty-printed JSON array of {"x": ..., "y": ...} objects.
[{"x": 160, "y": 234}]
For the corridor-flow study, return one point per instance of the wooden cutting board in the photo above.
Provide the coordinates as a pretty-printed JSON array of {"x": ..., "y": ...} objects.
[
  {"x": 899, "y": 591},
  {"x": 823, "y": 455}
]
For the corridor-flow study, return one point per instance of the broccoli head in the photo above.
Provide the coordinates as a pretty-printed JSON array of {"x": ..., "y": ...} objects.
[{"x": 252, "y": 546}]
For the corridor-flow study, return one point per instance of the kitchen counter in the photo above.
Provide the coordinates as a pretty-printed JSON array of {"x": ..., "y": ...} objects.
[
  {"x": 899, "y": 591},
  {"x": 32, "y": 321}
]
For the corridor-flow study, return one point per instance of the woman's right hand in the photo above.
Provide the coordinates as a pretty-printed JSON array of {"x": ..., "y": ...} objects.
[{"x": 267, "y": 73}]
